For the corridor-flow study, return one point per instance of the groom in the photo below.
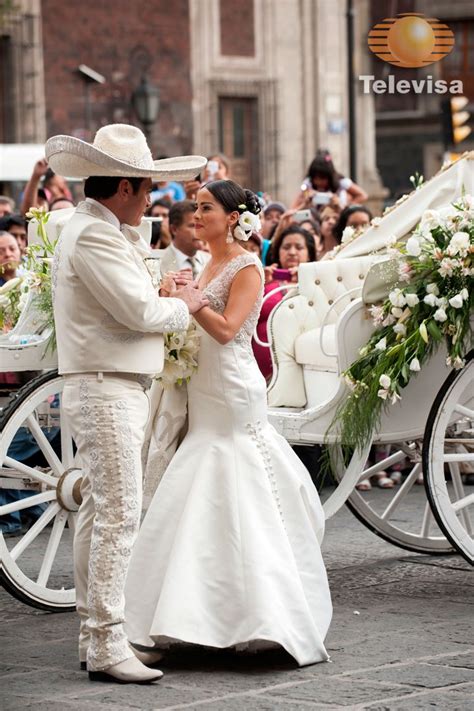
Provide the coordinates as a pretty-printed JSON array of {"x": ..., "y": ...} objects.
[{"x": 109, "y": 325}]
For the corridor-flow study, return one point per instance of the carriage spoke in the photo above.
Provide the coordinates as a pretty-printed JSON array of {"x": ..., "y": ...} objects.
[
  {"x": 52, "y": 547},
  {"x": 427, "y": 519},
  {"x": 455, "y": 457},
  {"x": 459, "y": 493},
  {"x": 45, "y": 446},
  {"x": 383, "y": 464},
  {"x": 462, "y": 503},
  {"x": 72, "y": 522},
  {"x": 463, "y": 410},
  {"x": 27, "y": 502},
  {"x": 402, "y": 492},
  {"x": 35, "y": 530},
  {"x": 30, "y": 472}
]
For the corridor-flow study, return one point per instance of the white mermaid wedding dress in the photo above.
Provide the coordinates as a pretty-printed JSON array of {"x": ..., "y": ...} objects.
[{"x": 229, "y": 551}]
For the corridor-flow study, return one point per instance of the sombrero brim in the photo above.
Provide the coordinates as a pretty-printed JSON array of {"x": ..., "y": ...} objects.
[{"x": 73, "y": 158}]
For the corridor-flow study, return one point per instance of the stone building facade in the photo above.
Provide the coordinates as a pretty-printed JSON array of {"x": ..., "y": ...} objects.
[{"x": 264, "y": 81}]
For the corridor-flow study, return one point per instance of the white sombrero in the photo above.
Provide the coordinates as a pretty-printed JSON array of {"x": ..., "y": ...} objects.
[{"x": 118, "y": 150}]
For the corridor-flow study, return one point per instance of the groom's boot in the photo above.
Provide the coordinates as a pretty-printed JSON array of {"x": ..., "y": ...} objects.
[
  {"x": 130, "y": 671},
  {"x": 149, "y": 659}
]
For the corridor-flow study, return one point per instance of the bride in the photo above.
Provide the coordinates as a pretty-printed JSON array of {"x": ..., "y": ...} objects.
[{"x": 229, "y": 551}]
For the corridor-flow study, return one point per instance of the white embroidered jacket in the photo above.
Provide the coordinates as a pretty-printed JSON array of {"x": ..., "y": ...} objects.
[{"x": 107, "y": 313}]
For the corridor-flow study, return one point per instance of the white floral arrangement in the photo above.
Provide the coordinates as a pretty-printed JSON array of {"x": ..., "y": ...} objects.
[
  {"x": 12, "y": 302},
  {"x": 35, "y": 278},
  {"x": 181, "y": 349},
  {"x": 432, "y": 302},
  {"x": 248, "y": 222}
]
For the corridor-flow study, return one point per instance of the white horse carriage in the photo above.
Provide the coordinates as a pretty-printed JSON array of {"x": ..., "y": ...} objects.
[{"x": 316, "y": 332}]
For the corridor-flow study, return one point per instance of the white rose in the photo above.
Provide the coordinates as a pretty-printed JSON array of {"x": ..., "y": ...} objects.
[
  {"x": 456, "y": 301},
  {"x": 440, "y": 315},
  {"x": 397, "y": 312},
  {"x": 430, "y": 219},
  {"x": 249, "y": 222},
  {"x": 397, "y": 298},
  {"x": 432, "y": 289},
  {"x": 413, "y": 247},
  {"x": 412, "y": 299},
  {"x": 431, "y": 300},
  {"x": 347, "y": 235},
  {"x": 385, "y": 381},
  {"x": 415, "y": 365},
  {"x": 459, "y": 244},
  {"x": 381, "y": 345}
]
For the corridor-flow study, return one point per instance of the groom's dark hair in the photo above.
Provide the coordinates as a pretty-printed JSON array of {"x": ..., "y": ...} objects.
[{"x": 101, "y": 187}]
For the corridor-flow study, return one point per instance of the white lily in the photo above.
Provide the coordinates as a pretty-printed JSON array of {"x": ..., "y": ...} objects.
[
  {"x": 440, "y": 315},
  {"x": 397, "y": 298},
  {"x": 385, "y": 381},
  {"x": 432, "y": 288},
  {"x": 415, "y": 366},
  {"x": 382, "y": 394},
  {"x": 412, "y": 299},
  {"x": 456, "y": 301},
  {"x": 431, "y": 300}
]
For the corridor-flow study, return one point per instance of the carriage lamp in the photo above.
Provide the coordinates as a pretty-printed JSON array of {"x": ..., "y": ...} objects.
[{"x": 146, "y": 104}]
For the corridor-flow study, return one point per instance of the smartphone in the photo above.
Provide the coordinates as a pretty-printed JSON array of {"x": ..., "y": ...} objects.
[
  {"x": 302, "y": 216},
  {"x": 212, "y": 168},
  {"x": 282, "y": 275},
  {"x": 321, "y": 198}
]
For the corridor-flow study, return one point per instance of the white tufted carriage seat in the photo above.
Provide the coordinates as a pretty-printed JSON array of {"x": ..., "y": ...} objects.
[{"x": 302, "y": 331}]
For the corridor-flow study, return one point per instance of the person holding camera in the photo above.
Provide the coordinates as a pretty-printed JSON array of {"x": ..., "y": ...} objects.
[
  {"x": 289, "y": 249},
  {"x": 217, "y": 168},
  {"x": 325, "y": 186}
]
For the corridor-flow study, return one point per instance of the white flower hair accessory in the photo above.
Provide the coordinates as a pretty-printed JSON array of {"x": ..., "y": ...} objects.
[{"x": 248, "y": 223}]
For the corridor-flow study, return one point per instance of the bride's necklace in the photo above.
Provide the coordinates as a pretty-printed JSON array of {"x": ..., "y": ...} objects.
[{"x": 212, "y": 273}]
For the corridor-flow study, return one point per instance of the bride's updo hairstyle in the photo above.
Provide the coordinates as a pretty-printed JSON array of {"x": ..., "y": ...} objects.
[{"x": 232, "y": 197}]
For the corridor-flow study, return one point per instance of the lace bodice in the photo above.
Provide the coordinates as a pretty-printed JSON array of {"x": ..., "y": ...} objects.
[{"x": 217, "y": 291}]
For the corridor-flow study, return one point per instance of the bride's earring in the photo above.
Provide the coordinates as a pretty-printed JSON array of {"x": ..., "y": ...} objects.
[{"x": 230, "y": 237}]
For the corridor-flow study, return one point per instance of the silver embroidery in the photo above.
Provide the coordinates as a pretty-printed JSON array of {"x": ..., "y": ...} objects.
[
  {"x": 117, "y": 504},
  {"x": 115, "y": 332},
  {"x": 178, "y": 320},
  {"x": 55, "y": 267}
]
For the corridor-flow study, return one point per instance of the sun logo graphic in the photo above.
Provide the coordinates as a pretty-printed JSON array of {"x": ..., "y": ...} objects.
[{"x": 410, "y": 40}]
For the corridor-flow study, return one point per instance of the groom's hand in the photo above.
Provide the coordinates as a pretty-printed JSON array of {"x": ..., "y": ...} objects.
[{"x": 192, "y": 297}]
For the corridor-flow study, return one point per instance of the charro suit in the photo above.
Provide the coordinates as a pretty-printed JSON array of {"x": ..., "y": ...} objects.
[{"x": 109, "y": 325}]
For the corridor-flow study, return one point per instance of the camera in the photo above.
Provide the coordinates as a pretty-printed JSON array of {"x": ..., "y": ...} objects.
[{"x": 321, "y": 198}]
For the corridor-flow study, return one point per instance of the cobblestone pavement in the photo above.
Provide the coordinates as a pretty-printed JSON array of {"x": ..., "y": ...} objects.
[{"x": 401, "y": 638}]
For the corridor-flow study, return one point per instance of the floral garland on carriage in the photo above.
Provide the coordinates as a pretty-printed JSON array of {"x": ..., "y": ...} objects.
[{"x": 432, "y": 302}]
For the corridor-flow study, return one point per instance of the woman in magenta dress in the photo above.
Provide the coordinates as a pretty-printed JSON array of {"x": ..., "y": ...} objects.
[{"x": 291, "y": 248}]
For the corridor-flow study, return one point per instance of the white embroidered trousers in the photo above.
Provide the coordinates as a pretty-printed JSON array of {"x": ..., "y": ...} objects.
[{"x": 107, "y": 416}]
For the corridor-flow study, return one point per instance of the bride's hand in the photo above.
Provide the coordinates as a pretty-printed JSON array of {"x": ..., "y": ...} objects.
[{"x": 168, "y": 285}]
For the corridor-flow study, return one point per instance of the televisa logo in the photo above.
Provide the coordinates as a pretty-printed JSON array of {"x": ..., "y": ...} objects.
[
  {"x": 410, "y": 40},
  {"x": 404, "y": 86}
]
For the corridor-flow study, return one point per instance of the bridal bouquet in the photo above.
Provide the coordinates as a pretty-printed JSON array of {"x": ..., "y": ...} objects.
[
  {"x": 431, "y": 302},
  {"x": 181, "y": 349}
]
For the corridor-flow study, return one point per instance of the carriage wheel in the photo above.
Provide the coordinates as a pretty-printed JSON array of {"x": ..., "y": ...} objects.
[
  {"x": 397, "y": 515},
  {"x": 448, "y": 458},
  {"x": 33, "y": 561}
]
